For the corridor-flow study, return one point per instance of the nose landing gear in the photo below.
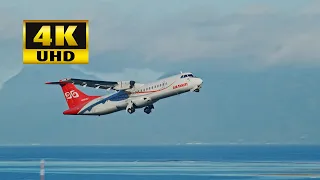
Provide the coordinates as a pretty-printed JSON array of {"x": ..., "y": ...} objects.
[{"x": 130, "y": 108}]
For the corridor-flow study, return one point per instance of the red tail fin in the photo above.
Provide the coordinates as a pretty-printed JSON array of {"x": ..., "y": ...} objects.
[{"x": 73, "y": 95}]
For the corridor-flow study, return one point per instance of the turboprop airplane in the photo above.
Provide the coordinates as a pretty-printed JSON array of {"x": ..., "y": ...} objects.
[{"x": 129, "y": 95}]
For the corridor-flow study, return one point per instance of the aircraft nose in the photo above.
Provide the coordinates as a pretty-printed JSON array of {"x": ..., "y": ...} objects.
[{"x": 199, "y": 81}]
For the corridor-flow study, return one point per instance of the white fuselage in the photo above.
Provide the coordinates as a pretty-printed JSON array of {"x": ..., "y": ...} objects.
[{"x": 142, "y": 95}]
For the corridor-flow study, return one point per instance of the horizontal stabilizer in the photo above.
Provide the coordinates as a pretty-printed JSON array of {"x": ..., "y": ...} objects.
[
  {"x": 87, "y": 83},
  {"x": 57, "y": 83}
]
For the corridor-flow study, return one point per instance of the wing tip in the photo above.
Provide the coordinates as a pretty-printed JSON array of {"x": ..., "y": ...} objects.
[
  {"x": 62, "y": 81},
  {"x": 52, "y": 82}
]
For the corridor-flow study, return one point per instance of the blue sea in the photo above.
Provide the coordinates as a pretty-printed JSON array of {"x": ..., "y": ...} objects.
[{"x": 187, "y": 162}]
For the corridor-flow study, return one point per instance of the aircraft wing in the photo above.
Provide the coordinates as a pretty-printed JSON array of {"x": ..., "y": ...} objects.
[{"x": 98, "y": 84}]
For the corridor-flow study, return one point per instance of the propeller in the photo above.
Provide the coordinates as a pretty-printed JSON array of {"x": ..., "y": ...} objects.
[{"x": 132, "y": 84}]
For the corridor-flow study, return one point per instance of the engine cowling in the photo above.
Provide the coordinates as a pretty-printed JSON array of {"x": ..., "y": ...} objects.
[
  {"x": 142, "y": 101},
  {"x": 132, "y": 83},
  {"x": 123, "y": 85}
]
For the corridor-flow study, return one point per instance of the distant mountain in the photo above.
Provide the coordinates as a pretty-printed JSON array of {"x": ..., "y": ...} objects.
[{"x": 26, "y": 101}]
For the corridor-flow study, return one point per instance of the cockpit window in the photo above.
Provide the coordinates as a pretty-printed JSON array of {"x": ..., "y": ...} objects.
[{"x": 187, "y": 75}]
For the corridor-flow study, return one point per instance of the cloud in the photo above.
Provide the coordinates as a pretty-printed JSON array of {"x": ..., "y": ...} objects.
[
  {"x": 10, "y": 44},
  {"x": 302, "y": 48},
  {"x": 10, "y": 66},
  {"x": 258, "y": 9},
  {"x": 312, "y": 9},
  {"x": 12, "y": 14},
  {"x": 141, "y": 75},
  {"x": 7, "y": 71},
  {"x": 259, "y": 32}
]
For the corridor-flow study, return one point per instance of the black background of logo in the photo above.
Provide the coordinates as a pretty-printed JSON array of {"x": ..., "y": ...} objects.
[{"x": 79, "y": 35}]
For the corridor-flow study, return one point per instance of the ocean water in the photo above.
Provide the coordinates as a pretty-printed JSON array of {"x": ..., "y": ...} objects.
[{"x": 193, "y": 162}]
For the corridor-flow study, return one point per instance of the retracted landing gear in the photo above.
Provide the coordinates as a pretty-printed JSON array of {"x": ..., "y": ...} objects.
[{"x": 148, "y": 109}]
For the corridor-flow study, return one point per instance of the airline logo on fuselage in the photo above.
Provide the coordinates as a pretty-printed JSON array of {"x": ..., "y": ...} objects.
[{"x": 180, "y": 85}]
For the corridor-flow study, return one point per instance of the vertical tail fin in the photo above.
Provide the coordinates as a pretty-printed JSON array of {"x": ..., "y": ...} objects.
[{"x": 73, "y": 95}]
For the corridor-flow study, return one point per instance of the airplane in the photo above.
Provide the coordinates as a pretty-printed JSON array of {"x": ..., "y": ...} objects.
[{"x": 129, "y": 95}]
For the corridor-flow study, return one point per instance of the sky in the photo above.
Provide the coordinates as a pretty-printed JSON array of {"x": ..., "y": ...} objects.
[{"x": 259, "y": 61}]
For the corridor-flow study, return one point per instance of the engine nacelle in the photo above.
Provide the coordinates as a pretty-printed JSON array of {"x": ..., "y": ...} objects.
[
  {"x": 142, "y": 101},
  {"x": 123, "y": 85},
  {"x": 132, "y": 84}
]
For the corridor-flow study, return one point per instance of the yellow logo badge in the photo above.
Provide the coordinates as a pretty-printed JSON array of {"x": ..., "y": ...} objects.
[{"x": 55, "y": 42}]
